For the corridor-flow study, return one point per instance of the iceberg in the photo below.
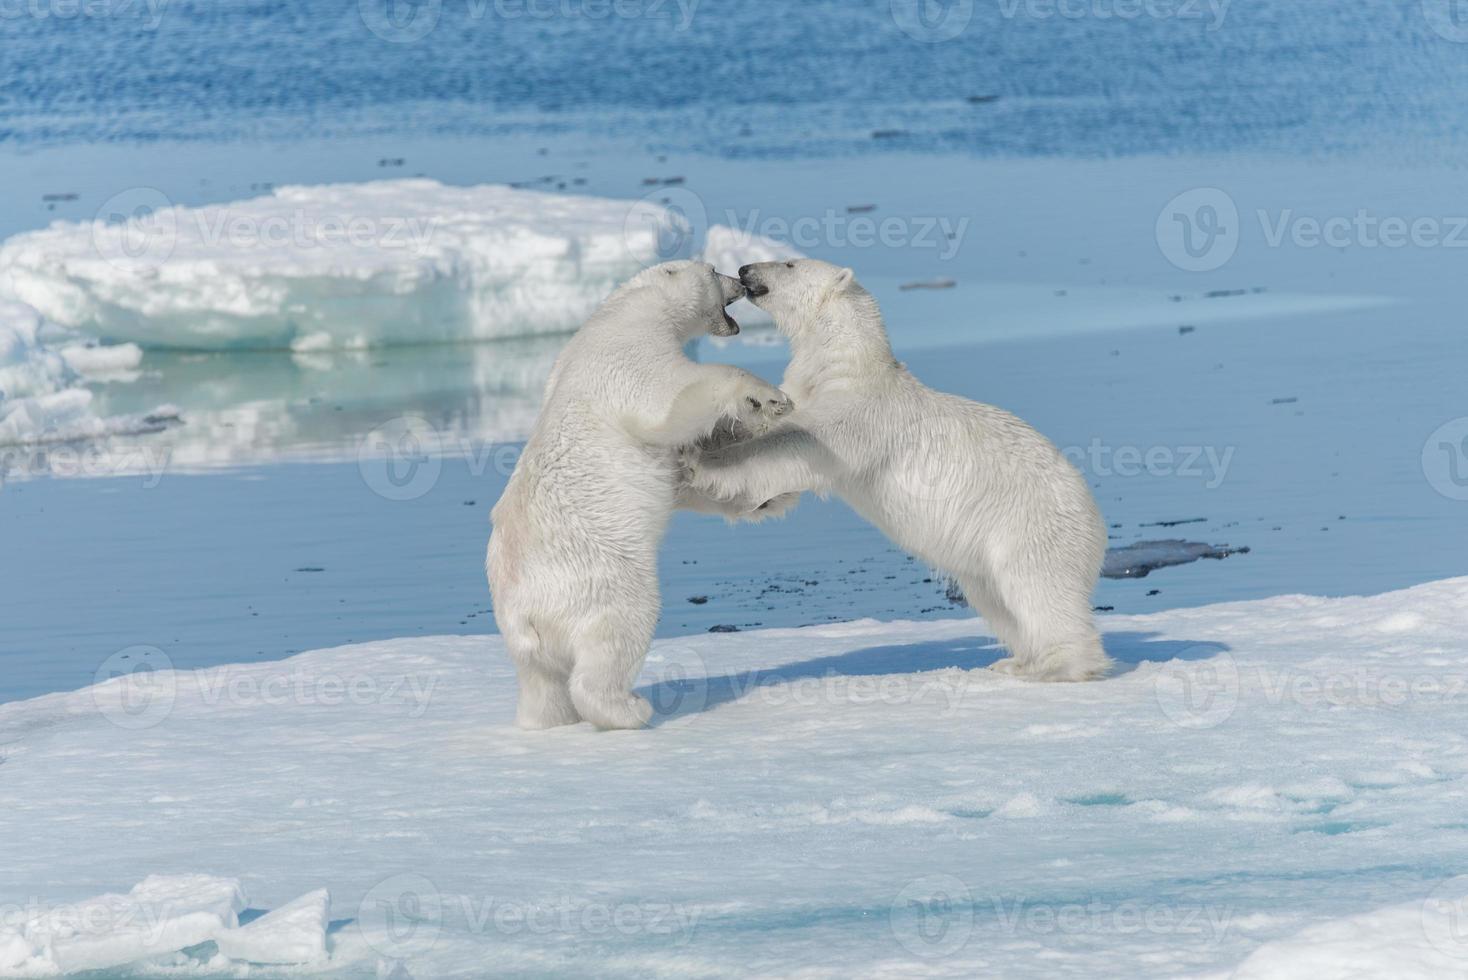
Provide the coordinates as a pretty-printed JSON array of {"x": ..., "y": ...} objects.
[{"x": 336, "y": 266}]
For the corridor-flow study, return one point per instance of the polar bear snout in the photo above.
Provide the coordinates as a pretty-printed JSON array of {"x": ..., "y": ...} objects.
[
  {"x": 753, "y": 283},
  {"x": 733, "y": 288}
]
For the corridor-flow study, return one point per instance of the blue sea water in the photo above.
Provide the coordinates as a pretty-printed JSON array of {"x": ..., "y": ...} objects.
[{"x": 747, "y": 77}]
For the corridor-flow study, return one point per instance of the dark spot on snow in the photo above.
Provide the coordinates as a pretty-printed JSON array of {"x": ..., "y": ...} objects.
[
  {"x": 1185, "y": 520},
  {"x": 698, "y": 600},
  {"x": 724, "y": 628}
]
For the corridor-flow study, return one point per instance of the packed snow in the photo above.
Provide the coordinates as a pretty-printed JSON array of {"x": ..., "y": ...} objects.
[
  {"x": 336, "y": 266},
  {"x": 1273, "y": 786}
]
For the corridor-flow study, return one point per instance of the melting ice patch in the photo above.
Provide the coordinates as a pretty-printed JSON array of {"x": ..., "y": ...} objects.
[
  {"x": 336, "y": 266},
  {"x": 42, "y": 398}
]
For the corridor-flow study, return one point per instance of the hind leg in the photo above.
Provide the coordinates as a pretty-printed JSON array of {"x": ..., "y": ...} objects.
[
  {"x": 1047, "y": 629},
  {"x": 609, "y": 655},
  {"x": 544, "y": 700}
]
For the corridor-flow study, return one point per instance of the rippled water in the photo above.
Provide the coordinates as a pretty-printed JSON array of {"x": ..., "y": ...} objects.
[{"x": 1086, "y": 77}]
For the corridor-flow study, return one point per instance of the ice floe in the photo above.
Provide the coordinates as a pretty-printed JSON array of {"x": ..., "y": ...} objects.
[{"x": 334, "y": 266}]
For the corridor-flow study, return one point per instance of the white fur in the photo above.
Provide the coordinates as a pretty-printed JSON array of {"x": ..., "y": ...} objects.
[
  {"x": 966, "y": 487},
  {"x": 572, "y": 559}
]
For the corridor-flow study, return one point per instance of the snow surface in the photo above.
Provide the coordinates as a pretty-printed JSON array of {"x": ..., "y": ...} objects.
[
  {"x": 1272, "y": 786},
  {"x": 336, "y": 265}
]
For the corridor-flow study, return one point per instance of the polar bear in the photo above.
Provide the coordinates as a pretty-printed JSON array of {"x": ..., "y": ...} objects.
[
  {"x": 572, "y": 558},
  {"x": 966, "y": 487}
]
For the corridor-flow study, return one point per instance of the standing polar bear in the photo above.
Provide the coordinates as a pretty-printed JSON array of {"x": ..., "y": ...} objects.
[
  {"x": 572, "y": 558},
  {"x": 966, "y": 487}
]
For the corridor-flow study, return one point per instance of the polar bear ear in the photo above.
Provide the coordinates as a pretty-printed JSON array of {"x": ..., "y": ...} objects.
[{"x": 844, "y": 277}]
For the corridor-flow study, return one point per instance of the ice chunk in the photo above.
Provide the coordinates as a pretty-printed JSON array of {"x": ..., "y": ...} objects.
[
  {"x": 161, "y": 914},
  {"x": 41, "y": 398},
  {"x": 343, "y": 265},
  {"x": 293, "y": 933},
  {"x": 102, "y": 360},
  {"x": 1137, "y": 560}
]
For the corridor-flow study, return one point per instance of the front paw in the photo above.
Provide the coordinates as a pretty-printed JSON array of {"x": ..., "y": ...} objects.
[{"x": 762, "y": 407}]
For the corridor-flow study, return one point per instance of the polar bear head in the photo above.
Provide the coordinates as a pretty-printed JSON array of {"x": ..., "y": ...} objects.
[
  {"x": 686, "y": 295},
  {"x": 797, "y": 292}
]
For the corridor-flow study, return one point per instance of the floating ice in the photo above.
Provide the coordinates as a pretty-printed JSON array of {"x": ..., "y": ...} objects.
[
  {"x": 333, "y": 266},
  {"x": 41, "y": 398},
  {"x": 293, "y": 933},
  {"x": 160, "y": 915},
  {"x": 1139, "y": 559}
]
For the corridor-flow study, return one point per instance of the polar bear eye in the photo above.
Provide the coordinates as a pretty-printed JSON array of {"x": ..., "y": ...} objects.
[
  {"x": 789, "y": 265},
  {"x": 671, "y": 272}
]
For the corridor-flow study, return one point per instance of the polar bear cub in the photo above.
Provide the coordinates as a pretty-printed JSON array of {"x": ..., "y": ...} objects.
[
  {"x": 572, "y": 558},
  {"x": 966, "y": 487}
]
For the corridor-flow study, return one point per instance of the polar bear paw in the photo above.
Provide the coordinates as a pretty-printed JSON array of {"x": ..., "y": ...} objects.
[{"x": 761, "y": 407}]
